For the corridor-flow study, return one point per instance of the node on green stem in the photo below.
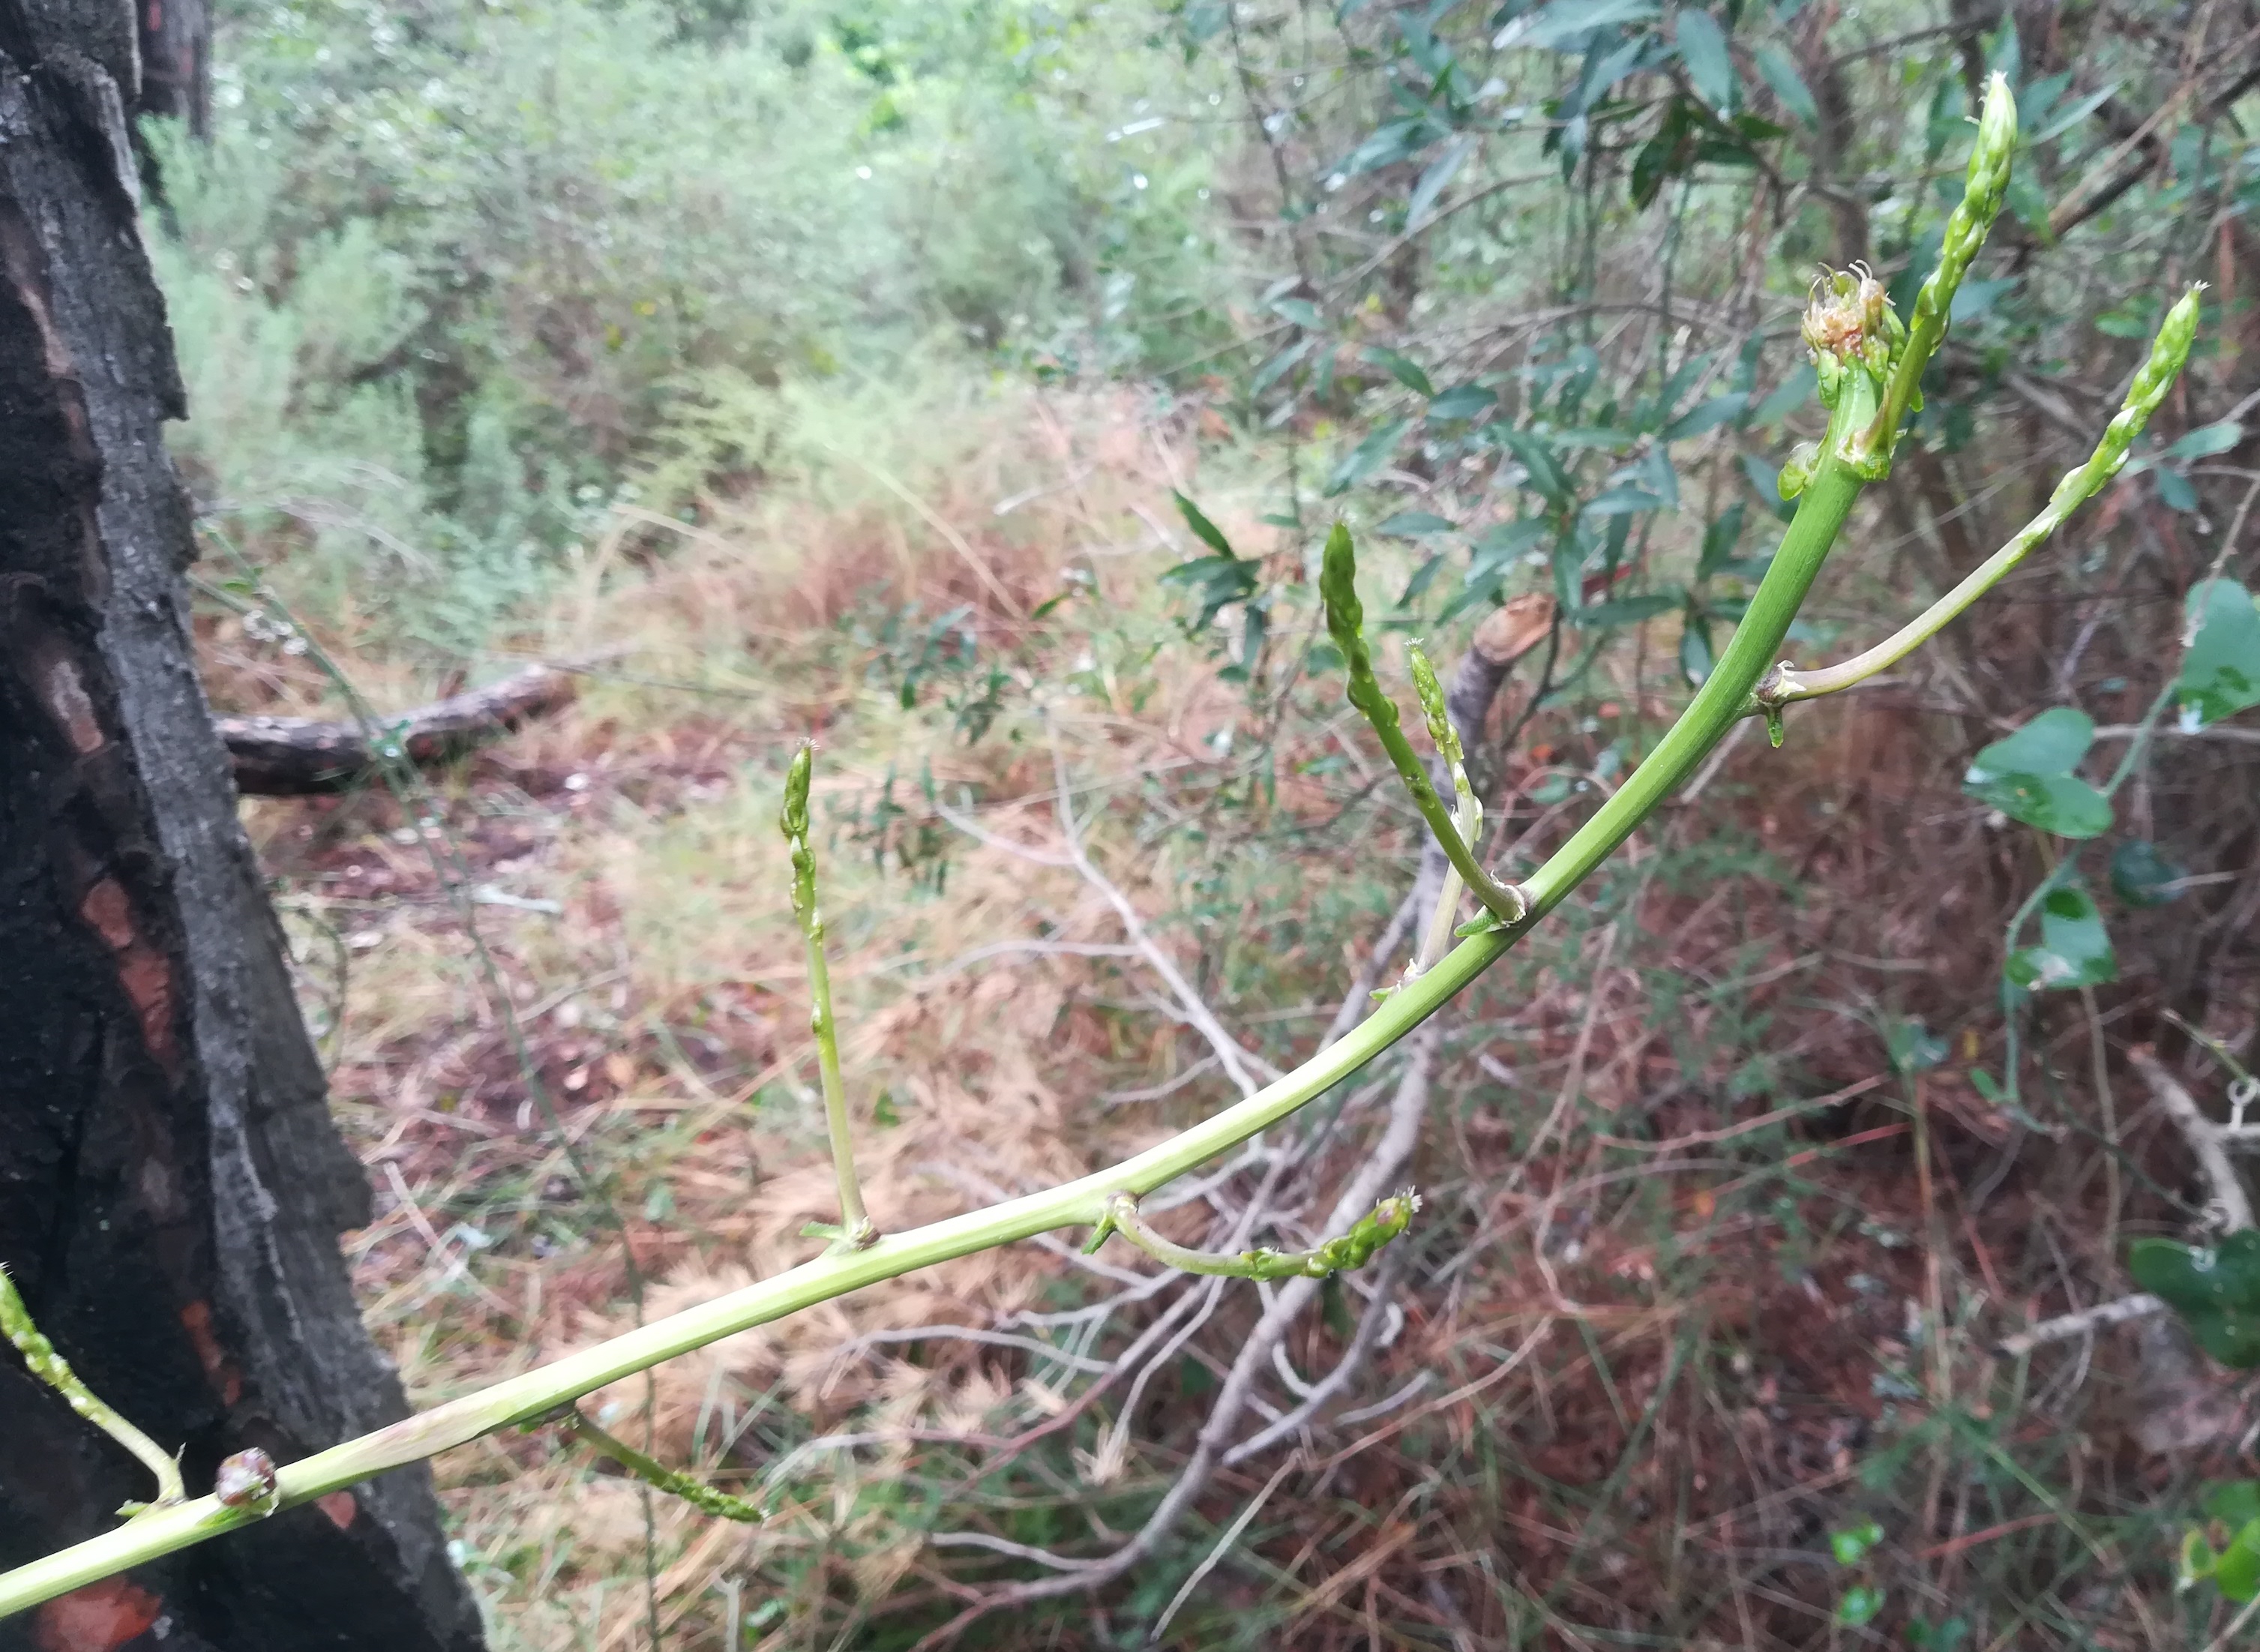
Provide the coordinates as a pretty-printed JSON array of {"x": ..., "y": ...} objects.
[
  {"x": 42, "y": 1361},
  {"x": 1353, "y": 1249}
]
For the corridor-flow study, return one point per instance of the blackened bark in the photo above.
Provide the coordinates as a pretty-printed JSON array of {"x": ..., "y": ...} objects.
[{"x": 171, "y": 1186}]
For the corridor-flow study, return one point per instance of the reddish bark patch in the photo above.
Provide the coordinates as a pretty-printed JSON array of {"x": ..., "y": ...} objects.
[
  {"x": 143, "y": 970},
  {"x": 95, "y": 1619},
  {"x": 227, "y": 1381}
]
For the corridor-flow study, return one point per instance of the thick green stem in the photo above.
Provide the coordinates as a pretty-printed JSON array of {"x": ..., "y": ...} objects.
[
  {"x": 855, "y": 1228},
  {"x": 40, "y": 1358},
  {"x": 1080, "y": 1204},
  {"x": 1353, "y": 1249}
]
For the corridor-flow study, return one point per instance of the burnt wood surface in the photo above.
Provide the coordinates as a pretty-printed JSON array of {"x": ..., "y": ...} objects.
[{"x": 171, "y": 1184}]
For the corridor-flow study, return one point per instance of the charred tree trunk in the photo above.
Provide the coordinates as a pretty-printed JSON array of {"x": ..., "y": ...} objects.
[
  {"x": 175, "y": 37},
  {"x": 171, "y": 1186}
]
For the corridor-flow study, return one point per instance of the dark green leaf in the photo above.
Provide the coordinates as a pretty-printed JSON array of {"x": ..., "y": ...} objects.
[
  {"x": 2234, "y": 1503},
  {"x": 1625, "y": 610},
  {"x": 2063, "y": 803},
  {"x": 1280, "y": 365},
  {"x": 2236, "y": 1573},
  {"x": 1203, "y": 530},
  {"x": 1703, "y": 48},
  {"x": 1973, "y": 298},
  {"x": 1788, "y": 85},
  {"x": 2215, "y": 1289},
  {"x": 1433, "y": 181},
  {"x": 2142, "y": 876},
  {"x": 1366, "y": 457},
  {"x": 1418, "y": 585},
  {"x": 1463, "y": 401},
  {"x": 1546, "y": 476},
  {"x": 1786, "y": 398},
  {"x": 1412, "y": 525},
  {"x": 1622, "y": 500},
  {"x": 2074, "y": 949},
  {"x": 1301, "y": 312},
  {"x": 2207, "y": 439},
  {"x": 1719, "y": 539},
  {"x": 1401, "y": 368},
  {"x": 2221, "y": 672},
  {"x": 1707, "y": 416},
  {"x": 2174, "y": 491},
  {"x": 1565, "y": 19},
  {"x": 1767, "y": 480},
  {"x": 1695, "y": 659}
]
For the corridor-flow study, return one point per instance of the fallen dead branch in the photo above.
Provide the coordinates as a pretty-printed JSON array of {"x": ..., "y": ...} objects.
[{"x": 292, "y": 756}]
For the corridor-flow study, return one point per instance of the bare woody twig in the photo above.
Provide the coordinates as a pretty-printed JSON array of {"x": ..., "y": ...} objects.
[{"x": 2209, "y": 1143}]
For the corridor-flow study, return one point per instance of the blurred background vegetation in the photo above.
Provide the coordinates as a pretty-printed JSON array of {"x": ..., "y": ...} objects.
[{"x": 793, "y": 367}]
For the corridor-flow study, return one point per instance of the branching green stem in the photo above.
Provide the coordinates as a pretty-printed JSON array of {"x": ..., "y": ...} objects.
[
  {"x": 52, "y": 1369},
  {"x": 1827, "y": 500},
  {"x": 1345, "y": 624},
  {"x": 696, "y": 1492},
  {"x": 855, "y": 1229},
  {"x": 1353, "y": 1249},
  {"x": 2168, "y": 352}
]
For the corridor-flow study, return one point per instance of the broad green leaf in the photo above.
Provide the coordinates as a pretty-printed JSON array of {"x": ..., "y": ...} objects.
[
  {"x": 1767, "y": 480},
  {"x": 2215, "y": 1289},
  {"x": 2052, "y": 743},
  {"x": 2174, "y": 491},
  {"x": 2207, "y": 439},
  {"x": 1463, "y": 401},
  {"x": 1973, "y": 298},
  {"x": 1703, "y": 48},
  {"x": 1301, "y": 312},
  {"x": 1788, "y": 85},
  {"x": 2221, "y": 672},
  {"x": 2236, "y": 1574},
  {"x": 2029, "y": 775},
  {"x": 2234, "y": 1503},
  {"x": 2063, "y": 803},
  {"x": 1203, "y": 530},
  {"x": 1412, "y": 525},
  {"x": 1366, "y": 457},
  {"x": 1401, "y": 368},
  {"x": 2074, "y": 949},
  {"x": 2141, "y": 876}
]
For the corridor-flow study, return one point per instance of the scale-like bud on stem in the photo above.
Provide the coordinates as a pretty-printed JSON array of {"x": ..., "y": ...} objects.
[
  {"x": 40, "y": 1358},
  {"x": 855, "y": 1229},
  {"x": 1346, "y": 624},
  {"x": 1353, "y": 1249}
]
